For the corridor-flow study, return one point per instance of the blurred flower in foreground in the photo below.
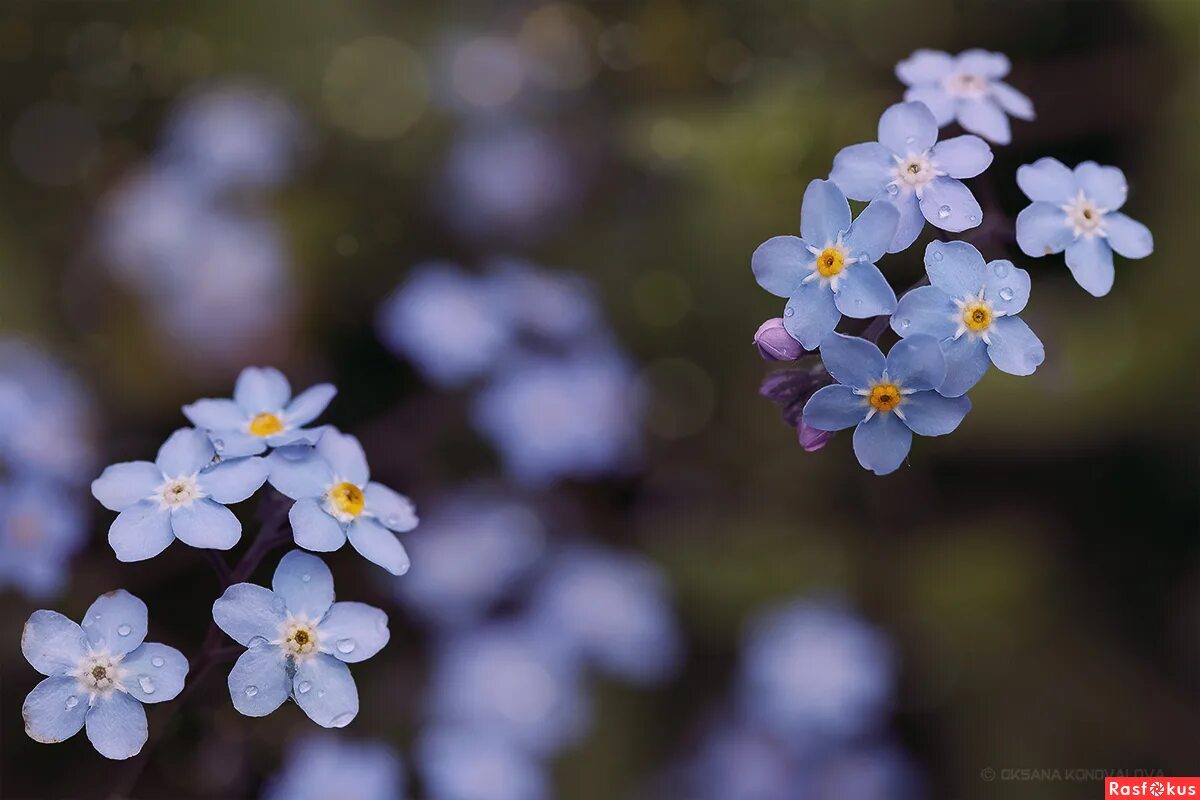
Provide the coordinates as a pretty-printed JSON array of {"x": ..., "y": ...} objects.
[
  {"x": 98, "y": 675},
  {"x": 40, "y": 529},
  {"x": 466, "y": 763},
  {"x": 325, "y": 767},
  {"x": 738, "y": 762}
]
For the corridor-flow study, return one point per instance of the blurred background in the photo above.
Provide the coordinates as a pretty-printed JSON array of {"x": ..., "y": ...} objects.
[{"x": 516, "y": 236}]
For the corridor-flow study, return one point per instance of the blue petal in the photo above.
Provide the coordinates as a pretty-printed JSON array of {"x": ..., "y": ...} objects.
[
  {"x": 378, "y": 545},
  {"x": 912, "y": 221},
  {"x": 185, "y": 452},
  {"x": 1043, "y": 229},
  {"x": 936, "y": 99},
  {"x": 864, "y": 292},
  {"x": 261, "y": 389},
  {"x": 309, "y": 404},
  {"x": 49, "y": 713},
  {"x": 116, "y": 726},
  {"x": 234, "y": 480},
  {"x": 926, "y": 309},
  {"x": 297, "y": 436},
  {"x": 881, "y": 443},
  {"x": 122, "y": 485},
  {"x": 949, "y": 205},
  {"x": 962, "y": 156},
  {"x": 237, "y": 443},
  {"x": 51, "y": 643},
  {"x": 305, "y": 583},
  {"x": 916, "y": 363},
  {"x": 1047, "y": 180},
  {"x": 985, "y": 118},
  {"x": 1105, "y": 185},
  {"x": 1091, "y": 263},
  {"x": 299, "y": 472},
  {"x": 216, "y": 415},
  {"x": 966, "y": 364},
  {"x": 324, "y": 688},
  {"x": 258, "y": 682},
  {"x": 391, "y": 508},
  {"x": 834, "y": 408},
  {"x": 1015, "y": 348},
  {"x": 248, "y": 612},
  {"x": 956, "y": 268},
  {"x": 862, "y": 170},
  {"x": 141, "y": 531},
  {"x": 353, "y": 632},
  {"x": 345, "y": 456},
  {"x": 852, "y": 361},
  {"x": 156, "y": 673},
  {"x": 873, "y": 231},
  {"x": 206, "y": 524},
  {"x": 985, "y": 63},
  {"x": 1013, "y": 102},
  {"x": 117, "y": 621},
  {"x": 778, "y": 264},
  {"x": 824, "y": 213},
  {"x": 811, "y": 314},
  {"x": 314, "y": 528},
  {"x": 907, "y": 128},
  {"x": 1006, "y": 287},
  {"x": 1128, "y": 237},
  {"x": 924, "y": 66},
  {"x": 931, "y": 414}
]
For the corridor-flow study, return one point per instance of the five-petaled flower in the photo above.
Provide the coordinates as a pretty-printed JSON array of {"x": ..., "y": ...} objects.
[
  {"x": 182, "y": 494},
  {"x": 335, "y": 500},
  {"x": 98, "y": 675},
  {"x": 1077, "y": 212},
  {"x": 885, "y": 400},
  {"x": 298, "y": 642},
  {"x": 918, "y": 174},
  {"x": 966, "y": 88},
  {"x": 261, "y": 414},
  {"x": 971, "y": 308},
  {"x": 829, "y": 270}
]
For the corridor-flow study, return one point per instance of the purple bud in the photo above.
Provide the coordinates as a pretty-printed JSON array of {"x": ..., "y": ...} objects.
[
  {"x": 812, "y": 439},
  {"x": 775, "y": 343}
]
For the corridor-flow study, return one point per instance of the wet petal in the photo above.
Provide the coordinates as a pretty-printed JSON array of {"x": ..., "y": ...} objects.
[
  {"x": 907, "y": 128},
  {"x": 926, "y": 309},
  {"x": 261, "y": 389},
  {"x": 305, "y": 583},
  {"x": 912, "y": 221},
  {"x": 949, "y": 205},
  {"x": 354, "y": 632},
  {"x": 1006, "y": 287},
  {"x": 185, "y": 452},
  {"x": 931, "y": 414},
  {"x": 852, "y": 361},
  {"x": 155, "y": 673},
  {"x": 1043, "y": 229},
  {"x": 345, "y": 456},
  {"x": 1015, "y": 348},
  {"x": 1128, "y": 237},
  {"x": 962, "y": 156},
  {"x": 51, "y": 643},
  {"x": 116, "y": 726},
  {"x": 1047, "y": 180},
  {"x": 834, "y": 408},
  {"x": 206, "y": 524},
  {"x": 966, "y": 364},
  {"x": 122, "y": 485},
  {"x": 779, "y": 263},
  {"x": 117, "y": 621},
  {"x": 811, "y": 314},
  {"x": 956, "y": 268},
  {"x": 1105, "y": 185},
  {"x": 392, "y": 509},
  {"x": 141, "y": 531},
  {"x": 314, "y": 528},
  {"x": 258, "y": 682},
  {"x": 378, "y": 545},
  {"x": 882, "y": 443},
  {"x": 54, "y": 711},
  {"x": 234, "y": 480},
  {"x": 325, "y": 690},
  {"x": 864, "y": 292},
  {"x": 873, "y": 231},
  {"x": 824, "y": 213},
  {"x": 299, "y": 472},
  {"x": 248, "y": 613},
  {"x": 862, "y": 170},
  {"x": 916, "y": 363}
]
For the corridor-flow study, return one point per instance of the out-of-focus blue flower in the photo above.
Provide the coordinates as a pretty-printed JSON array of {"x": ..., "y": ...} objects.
[
  {"x": 829, "y": 270},
  {"x": 465, "y": 763},
  {"x": 577, "y": 416},
  {"x": 614, "y": 609},
  {"x": 515, "y": 681},
  {"x": 1078, "y": 212},
  {"x": 965, "y": 88},
  {"x": 815, "y": 675},
  {"x": 40, "y": 529},
  {"x": 919, "y": 175},
  {"x": 325, "y": 767},
  {"x": 98, "y": 676},
  {"x": 469, "y": 552},
  {"x": 336, "y": 500},
  {"x": 181, "y": 495},
  {"x": 739, "y": 762},
  {"x": 873, "y": 772},
  {"x": 480, "y": 74},
  {"x": 262, "y": 413},
  {"x": 887, "y": 400},
  {"x": 553, "y": 308},
  {"x": 971, "y": 309},
  {"x": 299, "y": 642}
]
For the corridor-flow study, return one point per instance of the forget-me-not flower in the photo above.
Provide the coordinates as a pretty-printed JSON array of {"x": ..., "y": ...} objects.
[
  {"x": 336, "y": 500},
  {"x": 40, "y": 529},
  {"x": 261, "y": 414},
  {"x": 299, "y": 642},
  {"x": 1077, "y": 211},
  {"x": 914, "y": 171},
  {"x": 325, "y": 767},
  {"x": 967, "y": 88},
  {"x": 971, "y": 309},
  {"x": 885, "y": 400},
  {"x": 465, "y": 762},
  {"x": 738, "y": 761},
  {"x": 829, "y": 270},
  {"x": 98, "y": 675},
  {"x": 181, "y": 495}
]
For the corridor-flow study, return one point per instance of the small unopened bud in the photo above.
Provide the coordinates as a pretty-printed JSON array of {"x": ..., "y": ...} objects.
[
  {"x": 775, "y": 343},
  {"x": 812, "y": 439}
]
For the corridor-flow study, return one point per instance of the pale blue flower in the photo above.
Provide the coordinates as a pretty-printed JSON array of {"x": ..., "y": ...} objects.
[
  {"x": 261, "y": 414},
  {"x": 299, "y": 642},
  {"x": 1077, "y": 211},
  {"x": 98, "y": 676},
  {"x": 919, "y": 175},
  {"x": 461, "y": 762},
  {"x": 181, "y": 495},
  {"x": 555, "y": 308},
  {"x": 971, "y": 308},
  {"x": 871, "y": 771},
  {"x": 336, "y": 500},
  {"x": 324, "y": 767},
  {"x": 41, "y": 527},
  {"x": 738, "y": 761},
  {"x": 887, "y": 400},
  {"x": 967, "y": 89},
  {"x": 829, "y": 270}
]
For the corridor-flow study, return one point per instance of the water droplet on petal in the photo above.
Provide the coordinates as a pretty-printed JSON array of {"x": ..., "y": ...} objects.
[
  {"x": 1000, "y": 268},
  {"x": 904, "y": 323},
  {"x": 124, "y": 630},
  {"x": 972, "y": 218},
  {"x": 147, "y": 684},
  {"x": 320, "y": 692},
  {"x": 251, "y": 691},
  {"x": 303, "y": 686},
  {"x": 789, "y": 312},
  {"x": 342, "y": 720},
  {"x": 345, "y": 645},
  {"x": 910, "y": 139},
  {"x": 218, "y": 445},
  {"x": 306, "y": 577},
  {"x": 944, "y": 212},
  {"x": 893, "y": 189},
  {"x": 72, "y": 701},
  {"x": 1006, "y": 293},
  {"x": 157, "y": 661},
  {"x": 937, "y": 256}
]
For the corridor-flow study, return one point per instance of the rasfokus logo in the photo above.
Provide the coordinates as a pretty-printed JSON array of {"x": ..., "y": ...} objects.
[{"x": 1151, "y": 787}]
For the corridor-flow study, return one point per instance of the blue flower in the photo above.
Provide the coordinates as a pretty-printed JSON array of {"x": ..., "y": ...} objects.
[
  {"x": 40, "y": 529},
  {"x": 462, "y": 762},
  {"x": 299, "y": 642},
  {"x": 887, "y": 400},
  {"x": 915, "y": 172},
  {"x": 971, "y": 309},
  {"x": 736, "y": 761},
  {"x": 261, "y": 414},
  {"x": 335, "y": 500},
  {"x": 182, "y": 494},
  {"x": 98, "y": 675},
  {"x": 322, "y": 767},
  {"x": 829, "y": 270},
  {"x": 1077, "y": 212},
  {"x": 965, "y": 88}
]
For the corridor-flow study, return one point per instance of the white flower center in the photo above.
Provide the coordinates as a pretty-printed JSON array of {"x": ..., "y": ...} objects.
[
  {"x": 966, "y": 85},
  {"x": 830, "y": 263},
  {"x": 298, "y": 637},
  {"x": 1084, "y": 217},
  {"x": 912, "y": 173},
  {"x": 179, "y": 492},
  {"x": 975, "y": 316},
  {"x": 99, "y": 674}
]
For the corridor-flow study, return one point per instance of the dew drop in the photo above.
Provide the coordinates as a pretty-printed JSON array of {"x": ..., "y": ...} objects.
[
  {"x": 303, "y": 686},
  {"x": 937, "y": 256},
  {"x": 347, "y": 645},
  {"x": 1001, "y": 269},
  {"x": 251, "y": 691},
  {"x": 893, "y": 189},
  {"x": 789, "y": 312},
  {"x": 972, "y": 218},
  {"x": 124, "y": 630},
  {"x": 944, "y": 212},
  {"x": 218, "y": 444},
  {"x": 147, "y": 684},
  {"x": 320, "y": 692},
  {"x": 392, "y": 522},
  {"x": 72, "y": 701},
  {"x": 306, "y": 577},
  {"x": 910, "y": 139},
  {"x": 342, "y": 720},
  {"x": 904, "y": 323},
  {"x": 1006, "y": 293}
]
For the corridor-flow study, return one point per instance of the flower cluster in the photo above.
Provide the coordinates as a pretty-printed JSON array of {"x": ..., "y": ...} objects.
[{"x": 967, "y": 318}]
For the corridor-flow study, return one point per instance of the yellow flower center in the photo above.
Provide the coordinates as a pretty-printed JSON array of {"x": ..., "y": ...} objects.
[
  {"x": 977, "y": 317},
  {"x": 347, "y": 498},
  {"x": 830, "y": 262},
  {"x": 265, "y": 424},
  {"x": 884, "y": 397}
]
